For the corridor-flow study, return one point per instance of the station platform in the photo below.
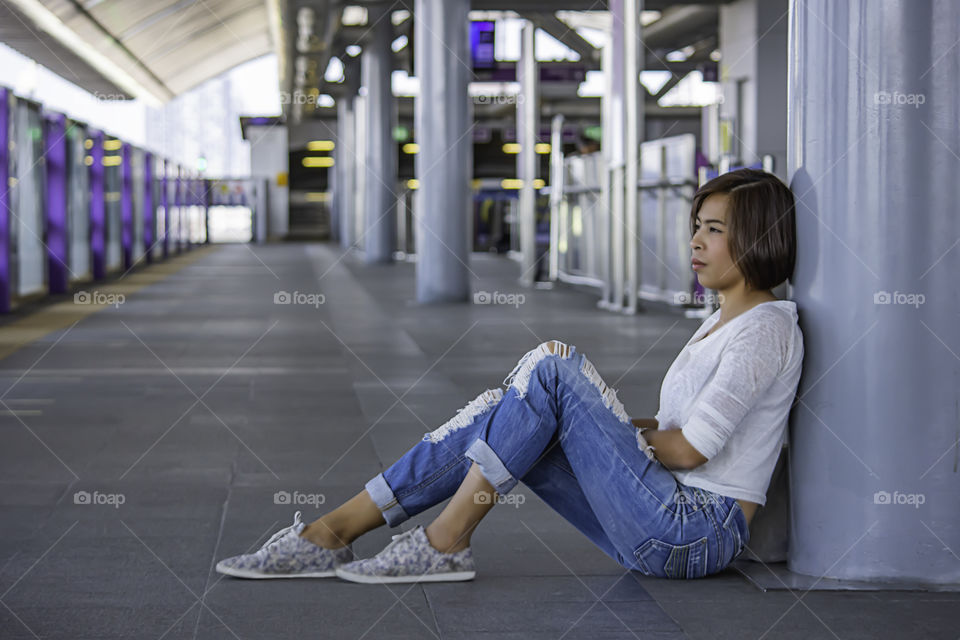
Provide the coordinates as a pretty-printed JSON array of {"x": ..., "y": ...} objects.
[{"x": 146, "y": 440}]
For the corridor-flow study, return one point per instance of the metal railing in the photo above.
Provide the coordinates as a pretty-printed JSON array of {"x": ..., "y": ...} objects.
[{"x": 590, "y": 239}]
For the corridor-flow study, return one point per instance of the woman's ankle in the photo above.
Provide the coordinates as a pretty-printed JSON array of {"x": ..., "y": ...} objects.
[
  {"x": 322, "y": 535},
  {"x": 443, "y": 541}
]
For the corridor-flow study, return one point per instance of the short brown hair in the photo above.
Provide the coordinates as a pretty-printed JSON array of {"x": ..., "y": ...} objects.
[{"x": 762, "y": 225}]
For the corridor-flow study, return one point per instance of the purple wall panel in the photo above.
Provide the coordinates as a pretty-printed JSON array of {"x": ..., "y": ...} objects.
[
  {"x": 98, "y": 212},
  {"x": 55, "y": 157},
  {"x": 165, "y": 198},
  {"x": 149, "y": 213},
  {"x": 126, "y": 205}
]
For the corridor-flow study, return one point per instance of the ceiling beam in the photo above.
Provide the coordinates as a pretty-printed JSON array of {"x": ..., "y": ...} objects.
[{"x": 566, "y": 35}]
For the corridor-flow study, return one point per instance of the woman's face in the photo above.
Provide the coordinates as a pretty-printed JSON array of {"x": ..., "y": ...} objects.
[{"x": 709, "y": 245}]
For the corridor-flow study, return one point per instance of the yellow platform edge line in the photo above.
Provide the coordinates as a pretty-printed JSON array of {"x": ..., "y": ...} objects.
[{"x": 54, "y": 317}]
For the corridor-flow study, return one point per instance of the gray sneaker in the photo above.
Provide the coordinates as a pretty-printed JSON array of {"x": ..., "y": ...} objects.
[
  {"x": 287, "y": 555},
  {"x": 410, "y": 558}
]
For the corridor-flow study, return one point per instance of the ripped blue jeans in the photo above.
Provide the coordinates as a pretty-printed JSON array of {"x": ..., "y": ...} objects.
[{"x": 562, "y": 431}]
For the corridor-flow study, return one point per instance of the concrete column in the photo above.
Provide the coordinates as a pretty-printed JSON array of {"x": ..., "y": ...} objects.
[
  {"x": 753, "y": 38},
  {"x": 380, "y": 152},
  {"x": 872, "y": 156},
  {"x": 528, "y": 125},
  {"x": 444, "y": 164}
]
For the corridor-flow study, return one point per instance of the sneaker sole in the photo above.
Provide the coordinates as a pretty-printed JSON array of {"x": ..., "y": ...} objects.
[
  {"x": 456, "y": 576},
  {"x": 247, "y": 573}
]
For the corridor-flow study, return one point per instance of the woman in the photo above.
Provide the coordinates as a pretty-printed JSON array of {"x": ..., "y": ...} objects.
[{"x": 672, "y": 497}]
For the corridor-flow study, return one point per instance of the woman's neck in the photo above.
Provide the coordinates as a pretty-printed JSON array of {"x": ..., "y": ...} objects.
[{"x": 733, "y": 304}]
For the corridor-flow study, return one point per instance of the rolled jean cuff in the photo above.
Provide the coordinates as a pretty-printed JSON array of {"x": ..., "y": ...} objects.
[
  {"x": 491, "y": 467},
  {"x": 382, "y": 495}
]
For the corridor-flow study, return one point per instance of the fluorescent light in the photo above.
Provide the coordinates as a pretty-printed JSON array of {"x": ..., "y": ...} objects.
[
  {"x": 511, "y": 147},
  {"x": 334, "y": 72},
  {"x": 320, "y": 145},
  {"x": 353, "y": 16},
  {"x": 399, "y": 44},
  {"x": 542, "y": 148},
  {"x": 413, "y": 183},
  {"x": 318, "y": 162},
  {"x": 411, "y": 148}
]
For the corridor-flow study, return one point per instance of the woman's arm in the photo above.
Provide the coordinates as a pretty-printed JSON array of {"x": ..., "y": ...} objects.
[{"x": 672, "y": 449}]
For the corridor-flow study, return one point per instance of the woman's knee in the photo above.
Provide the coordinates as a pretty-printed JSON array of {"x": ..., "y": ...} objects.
[{"x": 519, "y": 378}]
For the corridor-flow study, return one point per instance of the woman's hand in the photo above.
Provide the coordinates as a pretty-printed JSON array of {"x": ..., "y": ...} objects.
[{"x": 645, "y": 423}]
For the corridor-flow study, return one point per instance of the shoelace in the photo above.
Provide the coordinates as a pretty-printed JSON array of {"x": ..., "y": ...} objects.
[
  {"x": 280, "y": 534},
  {"x": 395, "y": 540}
]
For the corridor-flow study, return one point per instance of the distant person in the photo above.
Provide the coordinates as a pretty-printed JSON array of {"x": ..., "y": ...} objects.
[
  {"x": 587, "y": 146},
  {"x": 669, "y": 496}
]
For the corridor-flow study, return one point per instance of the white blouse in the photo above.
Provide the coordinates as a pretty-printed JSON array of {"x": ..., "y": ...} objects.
[{"x": 731, "y": 394}]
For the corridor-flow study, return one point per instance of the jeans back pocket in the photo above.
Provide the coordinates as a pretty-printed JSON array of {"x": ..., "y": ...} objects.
[{"x": 665, "y": 560}]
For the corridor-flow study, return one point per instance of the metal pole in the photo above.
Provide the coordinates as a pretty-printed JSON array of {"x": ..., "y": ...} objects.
[
  {"x": 345, "y": 167},
  {"x": 615, "y": 168},
  {"x": 633, "y": 106},
  {"x": 605, "y": 205},
  {"x": 5, "y": 293},
  {"x": 527, "y": 128},
  {"x": 556, "y": 191}
]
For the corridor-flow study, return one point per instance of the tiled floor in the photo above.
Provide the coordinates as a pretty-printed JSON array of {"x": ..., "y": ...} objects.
[{"x": 185, "y": 409}]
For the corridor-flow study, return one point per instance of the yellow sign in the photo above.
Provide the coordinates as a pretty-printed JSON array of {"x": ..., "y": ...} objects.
[{"x": 282, "y": 179}]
